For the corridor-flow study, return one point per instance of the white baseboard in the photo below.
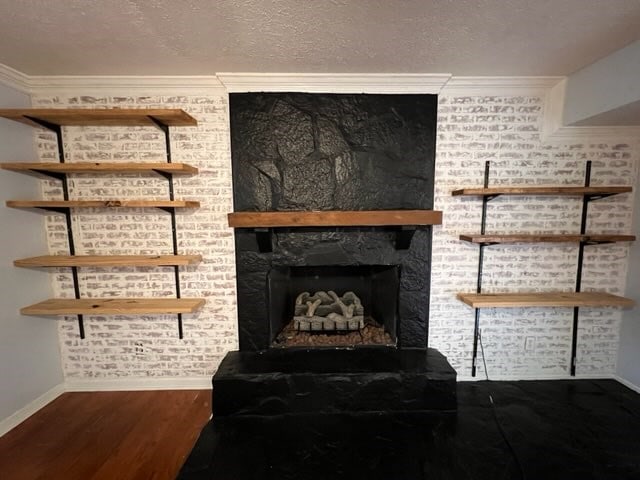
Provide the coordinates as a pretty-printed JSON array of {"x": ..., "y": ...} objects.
[
  {"x": 137, "y": 383},
  {"x": 627, "y": 383},
  {"x": 31, "y": 408}
]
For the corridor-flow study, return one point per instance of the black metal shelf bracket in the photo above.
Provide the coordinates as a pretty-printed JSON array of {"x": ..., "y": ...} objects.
[
  {"x": 54, "y": 175},
  {"x": 404, "y": 235},
  {"x": 62, "y": 210},
  {"x": 264, "y": 237},
  {"x": 57, "y": 129}
]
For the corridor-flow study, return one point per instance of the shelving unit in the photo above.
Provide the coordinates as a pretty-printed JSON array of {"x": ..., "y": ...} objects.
[
  {"x": 113, "y": 306},
  {"x": 55, "y": 120},
  {"x": 555, "y": 191},
  {"x": 57, "y": 261},
  {"x": 546, "y": 238},
  {"x": 544, "y": 299},
  {"x": 45, "y": 169},
  {"x": 575, "y": 299},
  {"x": 58, "y": 205}
]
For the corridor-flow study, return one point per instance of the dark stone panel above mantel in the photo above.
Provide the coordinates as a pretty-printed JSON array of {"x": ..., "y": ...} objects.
[{"x": 295, "y": 151}]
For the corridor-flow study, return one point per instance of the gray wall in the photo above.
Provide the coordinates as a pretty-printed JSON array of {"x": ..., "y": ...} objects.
[
  {"x": 29, "y": 352},
  {"x": 629, "y": 351},
  {"x": 608, "y": 85}
]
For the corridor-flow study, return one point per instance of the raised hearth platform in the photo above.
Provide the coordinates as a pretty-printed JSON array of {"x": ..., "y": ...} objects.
[{"x": 367, "y": 379}]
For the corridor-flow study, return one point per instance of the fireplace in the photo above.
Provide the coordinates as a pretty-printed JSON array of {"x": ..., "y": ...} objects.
[
  {"x": 333, "y": 306},
  {"x": 332, "y": 225}
]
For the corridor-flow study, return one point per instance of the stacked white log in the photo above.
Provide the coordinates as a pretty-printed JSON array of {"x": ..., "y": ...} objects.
[{"x": 326, "y": 311}]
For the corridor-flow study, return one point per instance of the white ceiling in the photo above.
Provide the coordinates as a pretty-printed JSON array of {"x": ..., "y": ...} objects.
[{"x": 199, "y": 37}]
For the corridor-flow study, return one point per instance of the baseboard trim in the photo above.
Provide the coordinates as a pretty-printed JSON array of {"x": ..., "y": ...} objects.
[
  {"x": 515, "y": 378},
  {"x": 25, "y": 412},
  {"x": 137, "y": 383},
  {"x": 627, "y": 383}
]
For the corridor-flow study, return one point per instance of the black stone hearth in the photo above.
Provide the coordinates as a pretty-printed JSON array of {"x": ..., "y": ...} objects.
[{"x": 333, "y": 381}]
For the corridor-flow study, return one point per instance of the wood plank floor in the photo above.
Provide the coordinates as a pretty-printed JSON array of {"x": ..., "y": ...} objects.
[{"x": 106, "y": 436}]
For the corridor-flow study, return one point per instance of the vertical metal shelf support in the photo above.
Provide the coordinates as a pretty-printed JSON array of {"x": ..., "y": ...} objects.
[
  {"x": 57, "y": 129},
  {"x": 172, "y": 213},
  {"x": 483, "y": 222},
  {"x": 583, "y": 229}
]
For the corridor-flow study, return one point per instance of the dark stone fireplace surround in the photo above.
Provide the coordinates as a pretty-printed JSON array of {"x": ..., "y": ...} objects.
[
  {"x": 321, "y": 152},
  {"x": 293, "y": 151}
]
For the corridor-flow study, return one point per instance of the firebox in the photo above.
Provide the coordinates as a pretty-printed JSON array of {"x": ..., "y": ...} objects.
[{"x": 333, "y": 306}]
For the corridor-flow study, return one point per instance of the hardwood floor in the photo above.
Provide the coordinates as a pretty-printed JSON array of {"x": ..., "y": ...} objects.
[{"x": 106, "y": 436}]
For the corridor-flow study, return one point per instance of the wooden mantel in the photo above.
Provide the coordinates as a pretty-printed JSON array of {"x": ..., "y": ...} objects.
[
  {"x": 335, "y": 218},
  {"x": 404, "y": 222}
]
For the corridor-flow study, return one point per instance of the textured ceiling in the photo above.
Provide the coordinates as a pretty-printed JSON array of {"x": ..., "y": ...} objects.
[{"x": 198, "y": 37}]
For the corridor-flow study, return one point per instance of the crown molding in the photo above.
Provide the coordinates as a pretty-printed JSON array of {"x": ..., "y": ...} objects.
[
  {"x": 334, "y": 82},
  {"x": 499, "y": 85},
  {"x": 14, "y": 79},
  {"x": 91, "y": 84},
  {"x": 111, "y": 84},
  {"x": 555, "y": 132}
]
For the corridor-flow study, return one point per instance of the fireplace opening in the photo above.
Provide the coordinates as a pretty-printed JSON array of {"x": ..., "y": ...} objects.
[{"x": 333, "y": 306}]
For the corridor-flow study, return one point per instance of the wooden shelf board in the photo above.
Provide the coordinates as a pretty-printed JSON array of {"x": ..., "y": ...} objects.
[
  {"x": 480, "y": 191},
  {"x": 546, "y": 238},
  {"x": 114, "y": 306},
  {"x": 544, "y": 299},
  {"x": 102, "y": 204},
  {"x": 108, "y": 261},
  {"x": 100, "y": 117},
  {"x": 334, "y": 218},
  {"x": 87, "y": 167}
]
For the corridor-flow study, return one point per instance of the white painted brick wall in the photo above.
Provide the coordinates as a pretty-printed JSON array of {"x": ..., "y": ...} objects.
[
  {"x": 506, "y": 131},
  {"x": 472, "y": 129}
]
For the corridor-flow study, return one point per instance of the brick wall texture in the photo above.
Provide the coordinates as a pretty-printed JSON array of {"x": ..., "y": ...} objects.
[{"x": 518, "y": 343}]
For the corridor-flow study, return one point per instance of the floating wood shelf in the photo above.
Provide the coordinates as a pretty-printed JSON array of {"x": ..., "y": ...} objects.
[
  {"x": 114, "y": 306},
  {"x": 586, "y": 191},
  {"x": 64, "y": 204},
  {"x": 334, "y": 218},
  {"x": 546, "y": 238},
  {"x": 43, "y": 169},
  {"x": 108, "y": 261},
  {"x": 100, "y": 117},
  {"x": 544, "y": 299}
]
